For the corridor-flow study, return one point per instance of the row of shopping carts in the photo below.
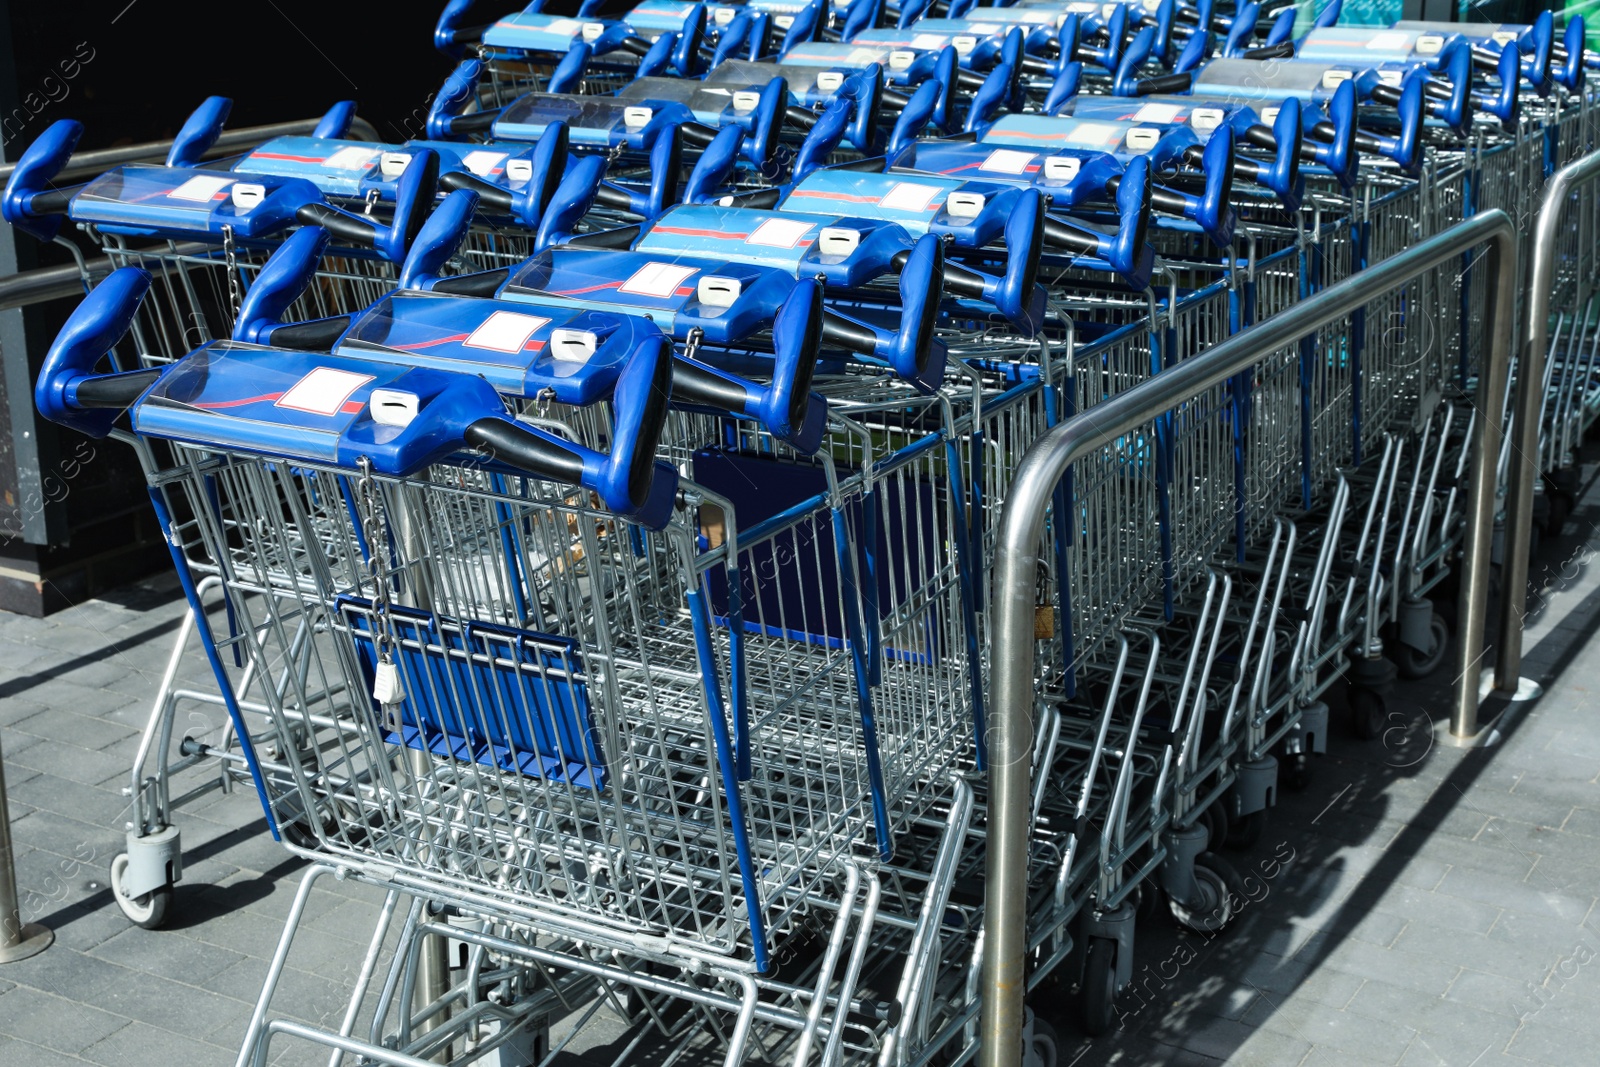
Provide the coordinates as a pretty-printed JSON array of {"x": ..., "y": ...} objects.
[{"x": 586, "y": 510}]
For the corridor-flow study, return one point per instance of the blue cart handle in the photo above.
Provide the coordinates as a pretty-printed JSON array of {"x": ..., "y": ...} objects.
[
  {"x": 29, "y": 203},
  {"x": 452, "y": 33},
  {"x": 199, "y": 132},
  {"x": 67, "y": 391}
]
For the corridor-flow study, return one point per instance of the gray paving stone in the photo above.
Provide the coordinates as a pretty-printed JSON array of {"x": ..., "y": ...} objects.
[
  {"x": 54, "y": 1022},
  {"x": 1329, "y": 1028},
  {"x": 69, "y": 761},
  {"x": 167, "y": 952},
  {"x": 27, "y": 1054},
  {"x": 60, "y": 695},
  {"x": 1492, "y": 993},
  {"x": 1543, "y": 1043},
  {"x": 85, "y": 731},
  {"x": 141, "y": 1045}
]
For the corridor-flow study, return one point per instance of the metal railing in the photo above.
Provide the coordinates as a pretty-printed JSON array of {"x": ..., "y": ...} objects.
[
  {"x": 1010, "y": 727},
  {"x": 1524, "y": 465}
]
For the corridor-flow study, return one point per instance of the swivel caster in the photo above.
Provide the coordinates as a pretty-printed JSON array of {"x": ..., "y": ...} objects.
[
  {"x": 1221, "y": 891},
  {"x": 1099, "y": 988}
]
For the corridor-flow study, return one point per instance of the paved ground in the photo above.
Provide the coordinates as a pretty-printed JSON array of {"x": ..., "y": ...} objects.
[{"x": 1416, "y": 904}]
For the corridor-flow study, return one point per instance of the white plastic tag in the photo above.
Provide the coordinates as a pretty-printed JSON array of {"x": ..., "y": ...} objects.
[
  {"x": 1061, "y": 168},
  {"x": 1389, "y": 77},
  {"x": 838, "y": 241},
  {"x": 323, "y": 391},
  {"x": 1503, "y": 37},
  {"x": 783, "y": 22},
  {"x": 483, "y": 163},
  {"x": 592, "y": 31},
  {"x": 1143, "y": 138},
  {"x": 908, "y": 196},
  {"x": 387, "y": 688},
  {"x": 900, "y": 59},
  {"x": 1007, "y": 161},
  {"x": 392, "y": 407},
  {"x": 744, "y": 100},
  {"x": 1205, "y": 119},
  {"x": 393, "y": 164},
  {"x": 964, "y": 205},
  {"x": 829, "y": 80},
  {"x": 963, "y": 43},
  {"x": 572, "y": 346},
  {"x": 722, "y": 15},
  {"x": 1429, "y": 44},
  {"x": 719, "y": 292},
  {"x": 351, "y": 157},
  {"x": 519, "y": 170},
  {"x": 1332, "y": 78},
  {"x": 779, "y": 233},
  {"x": 201, "y": 188},
  {"x": 504, "y": 331},
  {"x": 247, "y": 195},
  {"x": 1269, "y": 115},
  {"x": 659, "y": 280},
  {"x": 1158, "y": 113},
  {"x": 634, "y": 117},
  {"x": 1389, "y": 42}
]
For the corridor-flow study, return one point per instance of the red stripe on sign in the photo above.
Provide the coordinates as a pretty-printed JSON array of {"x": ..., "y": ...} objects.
[
  {"x": 586, "y": 289},
  {"x": 453, "y": 338},
  {"x": 533, "y": 345},
  {"x": 685, "y": 290},
  {"x": 287, "y": 156},
  {"x": 684, "y": 231},
  {"x": 852, "y": 197},
  {"x": 353, "y": 407},
  {"x": 262, "y": 399}
]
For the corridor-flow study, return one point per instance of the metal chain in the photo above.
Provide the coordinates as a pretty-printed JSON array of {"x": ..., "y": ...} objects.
[
  {"x": 231, "y": 263},
  {"x": 374, "y": 519}
]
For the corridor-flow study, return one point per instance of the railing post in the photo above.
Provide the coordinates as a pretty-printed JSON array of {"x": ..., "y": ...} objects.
[
  {"x": 1530, "y": 400},
  {"x": 18, "y": 940}
]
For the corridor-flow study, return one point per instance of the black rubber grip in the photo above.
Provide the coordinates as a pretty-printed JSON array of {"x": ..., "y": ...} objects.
[
  {"x": 891, "y": 98},
  {"x": 1284, "y": 50},
  {"x": 637, "y": 46},
  {"x": 52, "y": 201},
  {"x": 318, "y": 335},
  {"x": 115, "y": 391},
  {"x": 1259, "y": 136},
  {"x": 1388, "y": 95},
  {"x": 1437, "y": 90},
  {"x": 345, "y": 227},
  {"x": 621, "y": 237},
  {"x": 477, "y": 122},
  {"x": 838, "y": 330},
  {"x": 1058, "y": 234},
  {"x": 612, "y": 197},
  {"x": 962, "y": 282},
  {"x": 1248, "y": 168},
  {"x": 511, "y": 444},
  {"x": 693, "y": 384},
  {"x": 484, "y": 283},
  {"x": 966, "y": 79},
  {"x": 697, "y": 135},
  {"x": 1035, "y": 66},
  {"x": 759, "y": 198},
  {"x": 877, "y": 1011},
  {"x": 490, "y": 195},
  {"x": 802, "y": 117},
  {"x": 1164, "y": 83}
]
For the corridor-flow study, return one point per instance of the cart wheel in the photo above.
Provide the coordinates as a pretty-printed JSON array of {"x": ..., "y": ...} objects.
[
  {"x": 1368, "y": 712},
  {"x": 1247, "y": 830},
  {"x": 1215, "y": 909},
  {"x": 1294, "y": 771},
  {"x": 1045, "y": 1044},
  {"x": 1099, "y": 986},
  {"x": 148, "y": 910},
  {"x": 1147, "y": 899},
  {"x": 1414, "y": 664}
]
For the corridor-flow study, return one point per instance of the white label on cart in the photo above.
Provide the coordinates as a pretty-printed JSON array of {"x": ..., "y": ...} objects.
[
  {"x": 927, "y": 41},
  {"x": 353, "y": 157},
  {"x": 1269, "y": 115},
  {"x": 201, "y": 188},
  {"x": 1429, "y": 44},
  {"x": 1095, "y": 133},
  {"x": 1143, "y": 138},
  {"x": 1331, "y": 79},
  {"x": 1388, "y": 42},
  {"x": 567, "y": 27},
  {"x": 1083, "y": 9},
  {"x": 984, "y": 29},
  {"x": 1503, "y": 37},
  {"x": 323, "y": 391},
  {"x": 860, "y": 57},
  {"x": 909, "y": 196},
  {"x": 659, "y": 280},
  {"x": 779, "y": 233},
  {"x": 504, "y": 331},
  {"x": 483, "y": 163},
  {"x": 1206, "y": 119},
  {"x": 1158, "y": 113},
  {"x": 1007, "y": 161}
]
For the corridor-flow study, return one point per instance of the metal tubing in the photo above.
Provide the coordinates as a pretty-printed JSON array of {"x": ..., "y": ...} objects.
[
  {"x": 18, "y": 940},
  {"x": 53, "y": 283},
  {"x": 1525, "y": 451},
  {"x": 84, "y": 164},
  {"x": 1010, "y": 729}
]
